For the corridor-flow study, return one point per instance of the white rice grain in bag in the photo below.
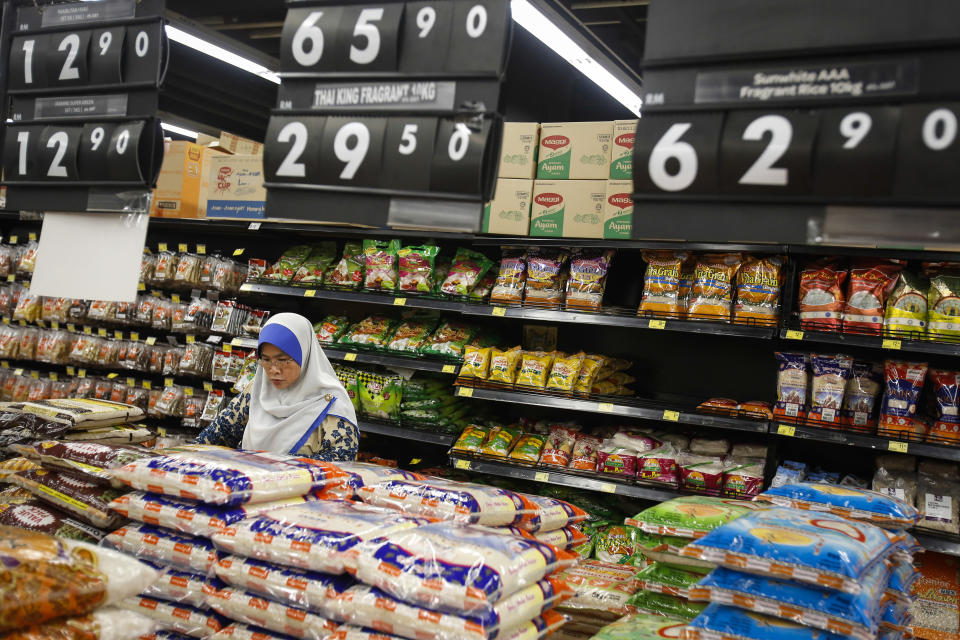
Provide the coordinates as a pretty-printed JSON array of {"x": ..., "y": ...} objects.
[
  {"x": 536, "y": 629},
  {"x": 190, "y": 517},
  {"x": 184, "y": 587},
  {"x": 251, "y": 609},
  {"x": 319, "y": 536},
  {"x": 181, "y": 618},
  {"x": 310, "y": 590},
  {"x": 216, "y": 475},
  {"x": 364, "y": 474},
  {"x": 455, "y": 568},
  {"x": 106, "y": 623},
  {"x": 240, "y": 631},
  {"x": 123, "y": 576},
  {"x": 446, "y": 500},
  {"x": 550, "y": 514},
  {"x": 164, "y": 546}
]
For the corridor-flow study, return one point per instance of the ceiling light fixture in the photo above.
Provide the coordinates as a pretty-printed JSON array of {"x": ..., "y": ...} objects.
[
  {"x": 180, "y": 131},
  {"x": 212, "y": 50}
]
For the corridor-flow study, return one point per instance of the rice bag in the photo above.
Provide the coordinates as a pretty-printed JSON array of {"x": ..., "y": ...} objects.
[
  {"x": 585, "y": 456},
  {"x": 500, "y": 441},
  {"x": 503, "y": 365},
  {"x": 712, "y": 293},
  {"x": 362, "y": 474},
  {"x": 672, "y": 581},
  {"x": 348, "y": 272},
  {"x": 34, "y": 515},
  {"x": 636, "y": 440},
  {"x": 416, "y": 268},
  {"x": 472, "y": 439},
  {"x": 588, "y": 278},
  {"x": 719, "y": 621},
  {"x": 860, "y": 395},
  {"x": 550, "y": 514},
  {"x": 744, "y": 479},
  {"x": 791, "y": 385},
  {"x": 183, "y": 587},
  {"x": 664, "y": 605},
  {"x": 167, "y": 547},
  {"x": 642, "y": 626},
  {"x": 659, "y": 465},
  {"x": 89, "y": 460},
  {"x": 616, "y": 460},
  {"x": 906, "y": 312},
  {"x": 476, "y": 362},
  {"x": 300, "y": 588},
  {"x": 565, "y": 371},
  {"x": 942, "y": 313},
  {"x": 758, "y": 290},
  {"x": 828, "y": 382},
  {"x": 317, "y": 535},
  {"x": 689, "y": 516},
  {"x": 107, "y": 623},
  {"x": 85, "y": 500},
  {"x": 589, "y": 369},
  {"x": 411, "y": 335},
  {"x": 661, "y": 284},
  {"x": 331, "y": 328},
  {"x": 528, "y": 448},
  {"x": 512, "y": 278},
  {"x": 946, "y": 388},
  {"x": 545, "y": 268},
  {"x": 847, "y": 502},
  {"x": 462, "y": 502},
  {"x": 251, "y": 609},
  {"x": 819, "y": 549},
  {"x": 534, "y": 369},
  {"x": 904, "y": 381},
  {"x": 380, "y": 261},
  {"x": 701, "y": 474},
  {"x": 559, "y": 446},
  {"x": 871, "y": 281},
  {"x": 563, "y": 539},
  {"x": 240, "y": 631},
  {"x": 190, "y": 517},
  {"x": 601, "y": 589},
  {"x": 455, "y": 568},
  {"x": 614, "y": 542},
  {"x": 821, "y": 295},
  {"x": 467, "y": 269},
  {"x": 841, "y": 613},
  {"x": 221, "y": 476}
]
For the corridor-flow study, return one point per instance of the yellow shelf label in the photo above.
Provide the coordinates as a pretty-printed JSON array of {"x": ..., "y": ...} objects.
[
  {"x": 786, "y": 430},
  {"x": 134, "y": 336},
  {"x": 53, "y": 376},
  {"x": 162, "y": 246},
  {"x": 228, "y": 348},
  {"x": 191, "y": 339},
  {"x": 237, "y": 342},
  {"x": 449, "y": 368},
  {"x": 35, "y": 375},
  {"x": 605, "y": 407},
  {"x": 175, "y": 298},
  {"x": 416, "y": 461},
  {"x": 81, "y": 373},
  {"x": 350, "y": 357},
  {"x": 202, "y": 249},
  {"x": 54, "y": 325},
  {"x": 208, "y": 386},
  {"x": 658, "y": 324},
  {"x": 6, "y": 321},
  {"x": 32, "y": 236},
  {"x": 152, "y": 340},
  {"x": 188, "y": 391},
  {"x": 399, "y": 302},
  {"x": 141, "y": 286},
  {"x": 88, "y": 331},
  {"x": 168, "y": 382},
  {"x": 102, "y": 332},
  {"x": 182, "y": 247},
  {"x": 237, "y": 253},
  {"x": 111, "y": 376},
  {"x": 13, "y": 240},
  {"x": 309, "y": 293},
  {"x": 131, "y": 382},
  {"x": 607, "y": 487},
  {"x": 671, "y": 416},
  {"x": 71, "y": 371},
  {"x": 11, "y": 278},
  {"x": 894, "y": 345},
  {"x": 118, "y": 335},
  {"x": 499, "y": 312},
  {"x": 18, "y": 372},
  {"x": 71, "y": 328},
  {"x": 465, "y": 392},
  {"x": 793, "y": 334},
  {"x": 541, "y": 476},
  {"x": 22, "y": 323},
  {"x": 462, "y": 464},
  {"x": 146, "y": 384},
  {"x": 899, "y": 447},
  {"x": 5, "y": 365}
]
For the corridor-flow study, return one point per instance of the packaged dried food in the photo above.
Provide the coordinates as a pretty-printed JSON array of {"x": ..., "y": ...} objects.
[
  {"x": 448, "y": 340},
  {"x": 792, "y": 383},
  {"x": 758, "y": 290},
  {"x": 312, "y": 270},
  {"x": 689, "y": 516},
  {"x": 372, "y": 331},
  {"x": 380, "y": 262},
  {"x": 871, "y": 281},
  {"x": 512, "y": 278},
  {"x": 821, "y": 297},
  {"x": 286, "y": 266},
  {"x": 179, "y": 618},
  {"x": 719, "y": 406},
  {"x": 906, "y": 313},
  {"x": 565, "y": 372},
  {"x": 239, "y": 605},
  {"x": 584, "y": 456},
  {"x": 828, "y": 382},
  {"x": 743, "y": 478},
  {"x": 476, "y": 362},
  {"x": 943, "y": 307},
  {"x": 503, "y": 365},
  {"x": 472, "y": 439},
  {"x": 847, "y": 502},
  {"x": 661, "y": 283},
  {"x": 481, "y": 291},
  {"x": 84, "y": 500},
  {"x": 188, "y": 269},
  {"x": 946, "y": 388},
  {"x": 256, "y": 269},
  {"x": 331, "y": 328},
  {"x": 559, "y": 446},
  {"x": 416, "y": 268},
  {"x": 528, "y": 448},
  {"x": 904, "y": 381},
  {"x": 860, "y": 395},
  {"x": 545, "y": 277},
  {"x": 534, "y": 369},
  {"x": 348, "y": 272},
  {"x": 588, "y": 279},
  {"x": 587, "y": 376},
  {"x": 938, "y": 501},
  {"x": 165, "y": 546},
  {"x": 411, "y": 335},
  {"x": 712, "y": 293},
  {"x": 617, "y": 460},
  {"x": 500, "y": 441},
  {"x": 466, "y": 270},
  {"x": 379, "y": 395}
]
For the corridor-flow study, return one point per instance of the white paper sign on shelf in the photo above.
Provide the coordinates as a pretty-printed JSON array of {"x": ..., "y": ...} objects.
[{"x": 92, "y": 256}]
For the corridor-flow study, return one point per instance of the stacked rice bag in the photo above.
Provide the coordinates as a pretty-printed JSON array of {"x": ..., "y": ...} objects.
[
  {"x": 182, "y": 501},
  {"x": 831, "y": 562}
]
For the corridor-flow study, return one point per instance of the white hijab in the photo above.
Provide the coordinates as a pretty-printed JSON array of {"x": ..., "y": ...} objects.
[{"x": 280, "y": 417}]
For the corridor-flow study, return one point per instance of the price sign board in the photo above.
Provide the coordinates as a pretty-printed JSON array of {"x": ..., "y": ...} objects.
[
  {"x": 84, "y": 80},
  {"x": 388, "y": 101}
]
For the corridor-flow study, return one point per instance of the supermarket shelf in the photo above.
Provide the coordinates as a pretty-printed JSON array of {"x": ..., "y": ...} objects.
[
  {"x": 26, "y": 367},
  {"x": 932, "y": 542},
  {"x": 406, "y": 433},
  {"x": 564, "y": 479},
  {"x": 873, "y": 342},
  {"x": 927, "y": 450},
  {"x": 633, "y": 409},
  {"x": 414, "y": 302}
]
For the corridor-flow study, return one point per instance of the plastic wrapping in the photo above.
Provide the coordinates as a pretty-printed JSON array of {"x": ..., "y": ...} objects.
[
  {"x": 363, "y": 474},
  {"x": 564, "y": 539},
  {"x": 588, "y": 278},
  {"x": 828, "y": 383},
  {"x": 663, "y": 578},
  {"x": 690, "y": 516},
  {"x": 416, "y": 268},
  {"x": 821, "y": 297},
  {"x": 946, "y": 387},
  {"x": 108, "y": 623},
  {"x": 871, "y": 282},
  {"x": 904, "y": 382},
  {"x": 164, "y": 546},
  {"x": 240, "y": 631},
  {"x": 380, "y": 259},
  {"x": 664, "y": 605},
  {"x": 182, "y": 587},
  {"x": 551, "y": 514},
  {"x": 848, "y": 502},
  {"x": 721, "y": 621},
  {"x": 642, "y": 626},
  {"x": 222, "y": 476},
  {"x": 602, "y": 589},
  {"x": 512, "y": 278},
  {"x": 250, "y": 609},
  {"x": 792, "y": 383},
  {"x": 181, "y": 618},
  {"x": 80, "y": 413},
  {"x": 711, "y": 296},
  {"x": 84, "y": 500},
  {"x": 861, "y": 394},
  {"x": 661, "y": 283},
  {"x": 34, "y": 515}
]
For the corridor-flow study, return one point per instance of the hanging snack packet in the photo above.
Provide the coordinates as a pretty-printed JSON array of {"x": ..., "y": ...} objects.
[
  {"x": 545, "y": 269},
  {"x": 904, "y": 381},
  {"x": 331, "y": 328},
  {"x": 512, "y": 279},
  {"x": 829, "y": 380},
  {"x": 690, "y": 516},
  {"x": 758, "y": 291},
  {"x": 472, "y": 439},
  {"x": 372, "y": 331},
  {"x": 791, "y": 385},
  {"x": 906, "y": 313},
  {"x": 416, "y": 268},
  {"x": 871, "y": 281},
  {"x": 661, "y": 284},
  {"x": 565, "y": 372},
  {"x": 467, "y": 269},
  {"x": 500, "y": 441},
  {"x": 348, "y": 272},
  {"x": 476, "y": 362},
  {"x": 946, "y": 388},
  {"x": 943, "y": 310},
  {"x": 380, "y": 261},
  {"x": 712, "y": 293},
  {"x": 861, "y": 394},
  {"x": 528, "y": 448},
  {"x": 411, "y": 335},
  {"x": 822, "y": 296},
  {"x": 847, "y": 502},
  {"x": 559, "y": 446},
  {"x": 588, "y": 279},
  {"x": 534, "y": 369},
  {"x": 503, "y": 365}
]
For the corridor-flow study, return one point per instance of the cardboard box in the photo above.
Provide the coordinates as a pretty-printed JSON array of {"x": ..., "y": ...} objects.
[
  {"x": 509, "y": 211},
  {"x": 518, "y": 151},
  {"x": 233, "y": 187},
  {"x": 568, "y": 208},
  {"x": 574, "y": 151},
  {"x": 230, "y": 143},
  {"x": 618, "y": 210},
  {"x": 179, "y": 186},
  {"x": 621, "y": 155}
]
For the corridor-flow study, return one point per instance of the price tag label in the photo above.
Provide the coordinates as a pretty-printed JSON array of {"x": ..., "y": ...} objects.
[
  {"x": 208, "y": 386},
  {"x": 175, "y": 298},
  {"x": 605, "y": 407},
  {"x": 18, "y": 372},
  {"x": 168, "y": 382},
  {"x": 188, "y": 391},
  {"x": 41, "y": 324},
  {"x": 449, "y": 368},
  {"x": 162, "y": 246},
  {"x": 134, "y": 336},
  {"x": 141, "y": 286},
  {"x": 416, "y": 461},
  {"x": 786, "y": 430},
  {"x": 54, "y": 376},
  {"x": 191, "y": 339},
  {"x": 608, "y": 487},
  {"x": 32, "y": 236},
  {"x": 658, "y": 324},
  {"x": 35, "y": 375},
  {"x": 81, "y": 373},
  {"x": 182, "y": 247},
  {"x": 350, "y": 357},
  {"x": 72, "y": 328},
  {"x": 11, "y": 278},
  {"x": 499, "y": 312},
  {"x": 899, "y": 447},
  {"x": 462, "y": 464},
  {"x": 87, "y": 331},
  {"x": 13, "y": 239},
  {"x": 399, "y": 302},
  {"x": 465, "y": 392},
  {"x": 894, "y": 345},
  {"x": 671, "y": 416},
  {"x": 246, "y": 287},
  {"x": 6, "y": 321},
  {"x": 55, "y": 325},
  {"x": 112, "y": 376},
  {"x": 152, "y": 340},
  {"x": 146, "y": 384},
  {"x": 22, "y": 323},
  {"x": 541, "y": 476},
  {"x": 118, "y": 335},
  {"x": 238, "y": 252},
  {"x": 227, "y": 348},
  {"x": 5, "y": 365},
  {"x": 131, "y": 382},
  {"x": 71, "y": 371},
  {"x": 254, "y": 226},
  {"x": 202, "y": 249},
  {"x": 793, "y": 334},
  {"x": 309, "y": 293},
  {"x": 237, "y": 342}
]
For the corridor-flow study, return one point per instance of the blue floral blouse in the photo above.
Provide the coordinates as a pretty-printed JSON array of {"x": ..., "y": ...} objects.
[{"x": 335, "y": 439}]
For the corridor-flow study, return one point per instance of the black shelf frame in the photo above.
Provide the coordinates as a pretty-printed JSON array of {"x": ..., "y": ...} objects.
[
  {"x": 866, "y": 441},
  {"x": 871, "y": 342},
  {"x": 407, "y": 433}
]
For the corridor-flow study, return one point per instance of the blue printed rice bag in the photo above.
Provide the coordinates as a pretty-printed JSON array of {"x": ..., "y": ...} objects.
[
  {"x": 902, "y": 577},
  {"x": 164, "y": 546},
  {"x": 720, "y": 622},
  {"x": 896, "y": 616},
  {"x": 819, "y": 549},
  {"x": 835, "y": 611},
  {"x": 847, "y": 502},
  {"x": 184, "y": 587}
]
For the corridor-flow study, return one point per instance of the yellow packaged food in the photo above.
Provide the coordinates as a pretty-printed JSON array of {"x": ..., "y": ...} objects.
[
  {"x": 661, "y": 283},
  {"x": 565, "y": 371},
  {"x": 534, "y": 369},
  {"x": 758, "y": 290},
  {"x": 588, "y": 373},
  {"x": 687, "y": 274},
  {"x": 604, "y": 373},
  {"x": 712, "y": 293},
  {"x": 528, "y": 448},
  {"x": 619, "y": 364},
  {"x": 621, "y": 378},
  {"x": 605, "y": 387},
  {"x": 472, "y": 439},
  {"x": 476, "y": 362},
  {"x": 500, "y": 441},
  {"x": 503, "y": 365}
]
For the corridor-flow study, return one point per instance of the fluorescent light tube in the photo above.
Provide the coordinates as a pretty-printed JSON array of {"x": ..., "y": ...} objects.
[
  {"x": 212, "y": 50},
  {"x": 180, "y": 131},
  {"x": 531, "y": 19}
]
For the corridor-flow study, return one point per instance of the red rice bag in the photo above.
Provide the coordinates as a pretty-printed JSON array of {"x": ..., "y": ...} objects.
[
  {"x": 585, "y": 453},
  {"x": 821, "y": 295},
  {"x": 559, "y": 447},
  {"x": 871, "y": 282}
]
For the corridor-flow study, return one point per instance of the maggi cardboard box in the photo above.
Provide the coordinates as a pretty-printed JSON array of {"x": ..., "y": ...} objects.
[
  {"x": 568, "y": 208},
  {"x": 518, "y": 151},
  {"x": 618, "y": 210},
  {"x": 509, "y": 211},
  {"x": 621, "y": 154},
  {"x": 178, "y": 189},
  {"x": 233, "y": 187},
  {"x": 574, "y": 151}
]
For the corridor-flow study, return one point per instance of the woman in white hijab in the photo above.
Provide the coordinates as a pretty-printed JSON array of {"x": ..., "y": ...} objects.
[{"x": 295, "y": 403}]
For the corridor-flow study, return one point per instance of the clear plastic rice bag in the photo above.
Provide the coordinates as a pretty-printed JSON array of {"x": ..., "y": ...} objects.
[
  {"x": 164, "y": 546},
  {"x": 250, "y": 609}
]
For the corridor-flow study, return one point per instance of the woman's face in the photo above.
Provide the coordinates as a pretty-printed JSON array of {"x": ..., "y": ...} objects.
[{"x": 281, "y": 369}]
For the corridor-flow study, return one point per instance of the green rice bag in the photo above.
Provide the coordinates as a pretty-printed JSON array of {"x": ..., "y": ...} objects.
[
  {"x": 373, "y": 331},
  {"x": 348, "y": 272},
  {"x": 380, "y": 396},
  {"x": 416, "y": 268},
  {"x": 466, "y": 271},
  {"x": 472, "y": 439},
  {"x": 449, "y": 340},
  {"x": 348, "y": 378},
  {"x": 614, "y": 542},
  {"x": 410, "y": 335},
  {"x": 670, "y": 580},
  {"x": 286, "y": 266},
  {"x": 664, "y": 605},
  {"x": 500, "y": 441},
  {"x": 425, "y": 387},
  {"x": 331, "y": 328},
  {"x": 585, "y": 550},
  {"x": 642, "y": 626},
  {"x": 312, "y": 270},
  {"x": 690, "y": 516},
  {"x": 380, "y": 262}
]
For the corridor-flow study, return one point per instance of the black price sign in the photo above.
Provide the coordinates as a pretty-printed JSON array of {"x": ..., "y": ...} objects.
[{"x": 910, "y": 151}]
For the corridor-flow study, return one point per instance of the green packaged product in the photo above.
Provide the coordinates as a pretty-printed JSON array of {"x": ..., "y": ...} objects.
[
  {"x": 331, "y": 328},
  {"x": 585, "y": 550},
  {"x": 664, "y": 605},
  {"x": 642, "y": 626},
  {"x": 348, "y": 378},
  {"x": 380, "y": 396},
  {"x": 449, "y": 340},
  {"x": 669, "y": 580},
  {"x": 312, "y": 270},
  {"x": 690, "y": 516},
  {"x": 466, "y": 271},
  {"x": 943, "y": 307},
  {"x": 907, "y": 306},
  {"x": 439, "y": 403},
  {"x": 410, "y": 335},
  {"x": 425, "y": 387},
  {"x": 472, "y": 439},
  {"x": 500, "y": 441},
  {"x": 644, "y": 542},
  {"x": 528, "y": 448},
  {"x": 373, "y": 331},
  {"x": 416, "y": 268},
  {"x": 286, "y": 266},
  {"x": 348, "y": 272},
  {"x": 481, "y": 291},
  {"x": 440, "y": 271},
  {"x": 380, "y": 262},
  {"x": 613, "y": 543}
]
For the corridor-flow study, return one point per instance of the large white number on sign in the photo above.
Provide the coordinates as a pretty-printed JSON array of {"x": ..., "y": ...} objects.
[
  {"x": 670, "y": 146},
  {"x": 781, "y": 132},
  {"x": 96, "y": 138},
  {"x": 106, "y": 38},
  {"x": 142, "y": 44},
  {"x": 476, "y": 21},
  {"x": 366, "y": 29},
  {"x": 855, "y": 127},
  {"x": 308, "y": 31},
  {"x": 354, "y": 155},
  {"x": 291, "y": 167},
  {"x": 60, "y": 141},
  {"x": 28, "y": 61},
  {"x": 23, "y": 140},
  {"x": 408, "y": 139},
  {"x": 459, "y": 141},
  {"x": 426, "y": 18},
  {"x": 71, "y": 42},
  {"x": 122, "y": 141},
  {"x": 939, "y": 129}
]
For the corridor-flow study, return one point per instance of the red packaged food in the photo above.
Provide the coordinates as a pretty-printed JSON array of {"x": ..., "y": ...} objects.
[
  {"x": 585, "y": 453},
  {"x": 821, "y": 295},
  {"x": 871, "y": 282},
  {"x": 559, "y": 446}
]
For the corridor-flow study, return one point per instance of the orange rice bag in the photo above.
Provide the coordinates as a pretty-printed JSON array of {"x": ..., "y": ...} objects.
[
  {"x": 712, "y": 292},
  {"x": 661, "y": 283}
]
